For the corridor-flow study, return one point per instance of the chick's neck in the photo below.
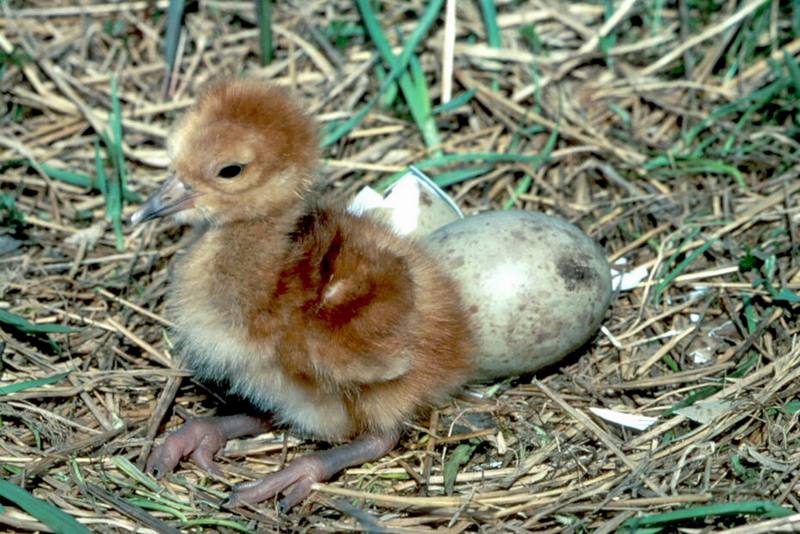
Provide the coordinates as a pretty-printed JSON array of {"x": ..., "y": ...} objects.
[
  {"x": 268, "y": 232},
  {"x": 244, "y": 257}
]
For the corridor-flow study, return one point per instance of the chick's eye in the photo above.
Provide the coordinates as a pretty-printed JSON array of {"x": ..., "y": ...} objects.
[{"x": 230, "y": 171}]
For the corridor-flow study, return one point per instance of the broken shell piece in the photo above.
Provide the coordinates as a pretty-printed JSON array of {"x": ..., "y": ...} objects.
[
  {"x": 625, "y": 281},
  {"x": 414, "y": 205},
  {"x": 436, "y": 208},
  {"x": 707, "y": 411},
  {"x": 630, "y": 420}
]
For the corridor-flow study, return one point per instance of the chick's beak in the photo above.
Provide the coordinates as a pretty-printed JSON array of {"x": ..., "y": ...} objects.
[{"x": 173, "y": 196}]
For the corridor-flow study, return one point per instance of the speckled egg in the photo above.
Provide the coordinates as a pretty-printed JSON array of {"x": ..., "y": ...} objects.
[{"x": 536, "y": 287}]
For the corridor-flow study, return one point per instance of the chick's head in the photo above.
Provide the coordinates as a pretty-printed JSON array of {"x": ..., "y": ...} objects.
[{"x": 245, "y": 150}]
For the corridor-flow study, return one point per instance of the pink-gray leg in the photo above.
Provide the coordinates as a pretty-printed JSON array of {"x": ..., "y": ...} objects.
[
  {"x": 201, "y": 439},
  {"x": 295, "y": 480}
]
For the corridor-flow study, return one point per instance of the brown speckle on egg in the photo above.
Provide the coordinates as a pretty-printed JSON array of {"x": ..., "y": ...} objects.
[
  {"x": 575, "y": 271},
  {"x": 519, "y": 236}
]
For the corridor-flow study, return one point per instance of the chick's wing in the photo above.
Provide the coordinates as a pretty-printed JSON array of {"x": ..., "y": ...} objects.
[{"x": 361, "y": 313}]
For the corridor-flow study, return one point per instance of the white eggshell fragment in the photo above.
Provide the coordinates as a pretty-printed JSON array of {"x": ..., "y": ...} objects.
[
  {"x": 414, "y": 206},
  {"x": 536, "y": 287}
]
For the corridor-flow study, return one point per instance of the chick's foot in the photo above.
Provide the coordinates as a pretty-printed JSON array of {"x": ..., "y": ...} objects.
[
  {"x": 201, "y": 439},
  {"x": 295, "y": 480}
]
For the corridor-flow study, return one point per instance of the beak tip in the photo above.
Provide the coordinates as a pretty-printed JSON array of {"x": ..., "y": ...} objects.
[
  {"x": 141, "y": 215},
  {"x": 136, "y": 218}
]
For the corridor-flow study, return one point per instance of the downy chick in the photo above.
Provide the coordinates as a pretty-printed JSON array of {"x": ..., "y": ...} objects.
[{"x": 330, "y": 322}]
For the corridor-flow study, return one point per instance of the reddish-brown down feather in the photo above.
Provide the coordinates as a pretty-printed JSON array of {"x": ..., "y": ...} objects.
[{"x": 331, "y": 321}]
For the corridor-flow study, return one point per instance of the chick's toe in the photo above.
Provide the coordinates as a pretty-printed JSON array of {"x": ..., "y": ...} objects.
[
  {"x": 201, "y": 439},
  {"x": 295, "y": 481}
]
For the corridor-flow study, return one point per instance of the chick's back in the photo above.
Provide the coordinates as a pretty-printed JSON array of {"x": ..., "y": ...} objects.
[{"x": 336, "y": 323}]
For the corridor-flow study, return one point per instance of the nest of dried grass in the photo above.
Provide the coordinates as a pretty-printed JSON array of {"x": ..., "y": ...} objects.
[{"x": 668, "y": 131}]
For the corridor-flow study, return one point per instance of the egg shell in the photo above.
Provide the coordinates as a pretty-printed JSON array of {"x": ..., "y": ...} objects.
[
  {"x": 434, "y": 212},
  {"x": 535, "y": 287}
]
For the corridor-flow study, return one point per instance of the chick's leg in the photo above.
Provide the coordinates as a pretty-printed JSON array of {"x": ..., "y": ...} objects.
[
  {"x": 295, "y": 480},
  {"x": 201, "y": 439}
]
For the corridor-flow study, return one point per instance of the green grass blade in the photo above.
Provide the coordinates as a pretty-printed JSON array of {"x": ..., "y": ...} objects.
[
  {"x": 460, "y": 100},
  {"x": 420, "y": 85},
  {"x": 226, "y": 523},
  {"x": 522, "y": 188},
  {"x": 700, "y": 165},
  {"x": 758, "y": 98},
  {"x": 162, "y": 498},
  {"x": 767, "y": 509},
  {"x": 56, "y": 519},
  {"x": 658, "y": 162},
  {"x": 531, "y": 37},
  {"x": 68, "y": 177},
  {"x": 694, "y": 232},
  {"x": 133, "y": 472},
  {"x": 81, "y": 180},
  {"x": 415, "y": 95},
  {"x": 390, "y": 95},
  {"x": 147, "y": 504},
  {"x": 624, "y": 115},
  {"x": 680, "y": 268},
  {"x": 608, "y": 41},
  {"x": 117, "y": 182},
  {"x": 549, "y": 145},
  {"x": 25, "y": 326},
  {"x": 750, "y": 315},
  {"x": 786, "y": 295},
  {"x": 101, "y": 180},
  {"x": 442, "y": 180},
  {"x": 397, "y": 71},
  {"x": 796, "y": 18},
  {"x": 490, "y": 22},
  {"x": 174, "y": 23},
  {"x": 489, "y": 12},
  {"x": 116, "y": 130},
  {"x": 459, "y": 175},
  {"x": 264, "y": 18},
  {"x": 345, "y": 127},
  {"x": 28, "y": 384},
  {"x": 746, "y": 365},
  {"x": 794, "y": 68},
  {"x": 728, "y": 146},
  {"x": 526, "y": 181},
  {"x": 478, "y": 156},
  {"x": 459, "y": 457},
  {"x": 113, "y": 199},
  {"x": 423, "y": 104},
  {"x": 717, "y": 167},
  {"x": 10, "y": 215}
]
